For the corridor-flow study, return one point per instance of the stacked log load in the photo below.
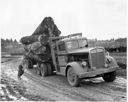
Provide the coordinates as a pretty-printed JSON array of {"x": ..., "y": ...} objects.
[{"x": 36, "y": 46}]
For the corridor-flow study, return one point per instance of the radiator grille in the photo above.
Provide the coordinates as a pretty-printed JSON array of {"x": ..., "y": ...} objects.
[{"x": 97, "y": 58}]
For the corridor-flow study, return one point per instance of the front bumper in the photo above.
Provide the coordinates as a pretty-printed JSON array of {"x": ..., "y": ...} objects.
[{"x": 97, "y": 72}]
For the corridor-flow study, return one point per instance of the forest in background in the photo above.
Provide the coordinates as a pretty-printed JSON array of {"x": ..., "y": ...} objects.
[
  {"x": 11, "y": 46},
  {"x": 112, "y": 45},
  {"x": 116, "y": 47}
]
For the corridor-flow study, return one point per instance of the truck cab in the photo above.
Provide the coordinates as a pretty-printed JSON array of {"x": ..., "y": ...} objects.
[{"x": 72, "y": 58}]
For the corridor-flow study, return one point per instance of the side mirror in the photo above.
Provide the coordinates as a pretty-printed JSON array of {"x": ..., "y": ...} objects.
[{"x": 86, "y": 45}]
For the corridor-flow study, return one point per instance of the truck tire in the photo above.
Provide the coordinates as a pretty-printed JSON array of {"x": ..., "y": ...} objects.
[
  {"x": 38, "y": 69},
  {"x": 72, "y": 78},
  {"x": 109, "y": 77},
  {"x": 27, "y": 63},
  {"x": 30, "y": 64},
  {"x": 49, "y": 69},
  {"x": 44, "y": 70}
]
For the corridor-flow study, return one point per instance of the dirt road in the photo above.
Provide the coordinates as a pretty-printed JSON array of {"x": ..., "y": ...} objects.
[{"x": 55, "y": 87}]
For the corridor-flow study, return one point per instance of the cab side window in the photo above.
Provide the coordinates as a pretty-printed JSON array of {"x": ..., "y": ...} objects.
[{"x": 61, "y": 47}]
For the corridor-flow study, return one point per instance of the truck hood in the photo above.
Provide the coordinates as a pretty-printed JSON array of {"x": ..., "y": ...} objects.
[{"x": 82, "y": 50}]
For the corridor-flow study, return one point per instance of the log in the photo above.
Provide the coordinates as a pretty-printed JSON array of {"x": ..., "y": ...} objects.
[
  {"x": 38, "y": 57},
  {"x": 48, "y": 22},
  {"x": 42, "y": 29},
  {"x": 34, "y": 38},
  {"x": 36, "y": 48},
  {"x": 37, "y": 52},
  {"x": 29, "y": 39},
  {"x": 37, "y": 45}
]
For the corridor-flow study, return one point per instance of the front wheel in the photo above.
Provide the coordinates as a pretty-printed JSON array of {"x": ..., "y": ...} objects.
[
  {"x": 109, "y": 77},
  {"x": 49, "y": 69},
  {"x": 72, "y": 78}
]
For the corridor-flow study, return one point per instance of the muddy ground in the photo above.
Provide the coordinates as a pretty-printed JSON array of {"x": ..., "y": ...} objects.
[{"x": 33, "y": 87}]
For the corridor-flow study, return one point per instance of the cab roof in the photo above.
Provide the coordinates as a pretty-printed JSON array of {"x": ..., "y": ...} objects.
[{"x": 71, "y": 39}]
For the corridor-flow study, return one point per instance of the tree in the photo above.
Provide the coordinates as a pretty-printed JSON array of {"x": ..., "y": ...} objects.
[
  {"x": 11, "y": 40},
  {"x": 15, "y": 41}
]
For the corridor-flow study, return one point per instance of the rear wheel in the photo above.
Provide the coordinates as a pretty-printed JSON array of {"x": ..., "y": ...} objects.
[
  {"x": 49, "y": 69},
  {"x": 44, "y": 70},
  {"x": 27, "y": 64},
  {"x": 109, "y": 77},
  {"x": 38, "y": 69},
  {"x": 30, "y": 65},
  {"x": 72, "y": 78}
]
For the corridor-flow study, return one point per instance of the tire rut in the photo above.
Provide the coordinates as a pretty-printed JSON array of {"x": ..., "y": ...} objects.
[
  {"x": 69, "y": 93},
  {"x": 106, "y": 89},
  {"x": 80, "y": 93},
  {"x": 86, "y": 91}
]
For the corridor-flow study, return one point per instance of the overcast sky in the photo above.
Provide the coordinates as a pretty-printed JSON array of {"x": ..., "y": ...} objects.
[{"x": 101, "y": 19}]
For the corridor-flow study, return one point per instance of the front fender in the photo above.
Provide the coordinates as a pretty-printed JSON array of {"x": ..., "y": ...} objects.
[
  {"x": 76, "y": 67},
  {"x": 111, "y": 61}
]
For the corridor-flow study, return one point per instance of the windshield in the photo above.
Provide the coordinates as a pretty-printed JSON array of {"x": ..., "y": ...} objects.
[
  {"x": 73, "y": 44},
  {"x": 82, "y": 43}
]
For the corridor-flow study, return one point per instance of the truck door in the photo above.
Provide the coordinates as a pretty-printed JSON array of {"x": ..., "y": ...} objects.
[{"x": 62, "y": 54}]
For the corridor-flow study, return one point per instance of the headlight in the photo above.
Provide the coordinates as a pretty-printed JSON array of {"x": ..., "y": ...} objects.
[
  {"x": 106, "y": 65},
  {"x": 84, "y": 63},
  {"x": 108, "y": 60}
]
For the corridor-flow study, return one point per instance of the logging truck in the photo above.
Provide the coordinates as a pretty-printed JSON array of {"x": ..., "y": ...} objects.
[{"x": 73, "y": 58}]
